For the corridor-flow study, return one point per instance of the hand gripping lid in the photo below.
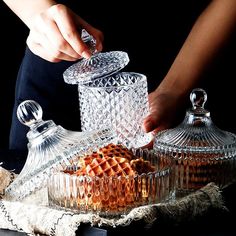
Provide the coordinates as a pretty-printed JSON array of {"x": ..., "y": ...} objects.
[{"x": 99, "y": 65}]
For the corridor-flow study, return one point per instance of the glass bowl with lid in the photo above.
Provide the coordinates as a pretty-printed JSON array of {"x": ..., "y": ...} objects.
[
  {"x": 48, "y": 148},
  {"x": 202, "y": 152}
]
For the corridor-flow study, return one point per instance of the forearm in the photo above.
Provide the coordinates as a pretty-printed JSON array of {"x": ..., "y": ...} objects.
[
  {"x": 207, "y": 37},
  {"x": 27, "y": 9}
]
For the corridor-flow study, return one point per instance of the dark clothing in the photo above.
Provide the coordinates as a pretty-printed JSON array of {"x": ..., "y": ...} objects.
[{"x": 43, "y": 82}]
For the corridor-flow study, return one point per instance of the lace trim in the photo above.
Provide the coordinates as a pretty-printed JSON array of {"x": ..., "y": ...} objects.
[{"x": 34, "y": 217}]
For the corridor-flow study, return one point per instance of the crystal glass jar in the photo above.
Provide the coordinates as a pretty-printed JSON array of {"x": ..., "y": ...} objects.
[
  {"x": 109, "y": 98},
  {"x": 47, "y": 149},
  {"x": 118, "y": 101},
  {"x": 202, "y": 152}
]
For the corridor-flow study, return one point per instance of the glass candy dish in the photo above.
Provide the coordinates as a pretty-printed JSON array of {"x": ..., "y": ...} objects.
[
  {"x": 47, "y": 149},
  {"x": 202, "y": 152},
  {"x": 108, "y": 194},
  {"x": 110, "y": 98}
]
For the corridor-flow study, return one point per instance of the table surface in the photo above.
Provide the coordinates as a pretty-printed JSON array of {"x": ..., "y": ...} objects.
[{"x": 221, "y": 223}]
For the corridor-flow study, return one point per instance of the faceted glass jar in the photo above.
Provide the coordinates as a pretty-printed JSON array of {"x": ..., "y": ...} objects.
[
  {"x": 109, "y": 98},
  {"x": 202, "y": 152},
  {"x": 118, "y": 101}
]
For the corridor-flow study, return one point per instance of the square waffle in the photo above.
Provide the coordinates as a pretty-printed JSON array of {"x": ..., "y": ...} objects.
[
  {"x": 113, "y": 160},
  {"x": 117, "y": 150},
  {"x": 106, "y": 166}
]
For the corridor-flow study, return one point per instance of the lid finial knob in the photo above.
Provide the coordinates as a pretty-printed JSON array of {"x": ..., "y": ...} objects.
[
  {"x": 198, "y": 98},
  {"x": 89, "y": 40},
  {"x": 29, "y": 113}
]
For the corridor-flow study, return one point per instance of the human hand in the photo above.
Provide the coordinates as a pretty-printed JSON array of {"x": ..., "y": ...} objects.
[
  {"x": 165, "y": 111},
  {"x": 55, "y": 35}
]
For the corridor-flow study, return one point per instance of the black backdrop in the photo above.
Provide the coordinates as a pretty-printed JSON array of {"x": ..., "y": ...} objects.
[
  {"x": 12, "y": 41},
  {"x": 151, "y": 32}
]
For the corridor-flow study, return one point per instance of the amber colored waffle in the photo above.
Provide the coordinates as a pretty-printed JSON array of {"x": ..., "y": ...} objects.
[
  {"x": 141, "y": 166},
  {"x": 113, "y": 160},
  {"x": 93, "y": 191},
  {"x": 107, "y": 166},
  {"x": 117, "y": 150}
]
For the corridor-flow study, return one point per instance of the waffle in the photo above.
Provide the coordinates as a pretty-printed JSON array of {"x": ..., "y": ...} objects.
[
  {"x": 106, "y": 166},
  {"x": 112, "y": 195},
  {"x": 117, "y": 150},
  {"x": 113, "y": 160},
  {"x": 141, "y": 166},
  {"x": 86, "y": 160}
]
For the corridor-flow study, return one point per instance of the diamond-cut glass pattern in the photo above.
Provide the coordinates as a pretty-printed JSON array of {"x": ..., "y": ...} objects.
[
  {"x": 100, "y": 64},
  {"x": 119, "y": 101}
]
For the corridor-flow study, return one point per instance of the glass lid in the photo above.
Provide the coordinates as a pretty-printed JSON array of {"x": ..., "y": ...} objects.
[
  {"x": 197, "y": 132},
  {"x": 48, "y": 148},
  {"x": 99, "y": 65}
]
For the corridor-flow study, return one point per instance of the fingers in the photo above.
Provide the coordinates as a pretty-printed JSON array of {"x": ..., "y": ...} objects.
[
  {"x": 162, "y": 114},
  {"x": 55, "y": 35},
  {"x": 151, "y": 121},
  {"x": 64, "y": 19},
  {"x": 155, "y": 122},
  {"x": 41, "y": 46},
  {"x": 148, "y": 124}
]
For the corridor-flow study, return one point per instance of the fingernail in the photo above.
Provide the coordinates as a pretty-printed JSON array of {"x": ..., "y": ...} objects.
[{"x": 86, "y": 54}]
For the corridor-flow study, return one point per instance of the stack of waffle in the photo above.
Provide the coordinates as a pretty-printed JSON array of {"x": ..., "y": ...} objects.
[
  {"x": 113, "y": 160},
  {"x": 108, "y": 179}
]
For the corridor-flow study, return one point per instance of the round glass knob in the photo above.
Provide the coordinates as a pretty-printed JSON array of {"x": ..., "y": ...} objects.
[
  {"x": 198, "y": 98},
  {"x": 29, "y": 113}
]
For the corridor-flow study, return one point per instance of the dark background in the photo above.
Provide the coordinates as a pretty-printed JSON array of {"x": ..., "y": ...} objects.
[
  {"x": 12, "y": 41},
  {"x": 151, "y": 33}
]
